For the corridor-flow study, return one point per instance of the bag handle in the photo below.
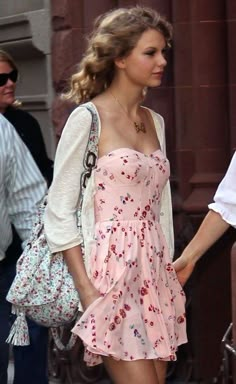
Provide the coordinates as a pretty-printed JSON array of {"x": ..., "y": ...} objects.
[
  {"x": 91, "y": 152},
  {"x": 90, "y": 158},
  {"x": 56, "y": 333}
]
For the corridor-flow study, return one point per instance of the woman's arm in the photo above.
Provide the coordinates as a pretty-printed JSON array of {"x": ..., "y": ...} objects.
[
  {"x": 74, "y": 260},
  {"x": 62, "y": 233},
  {"x": 211, "y": 229}
]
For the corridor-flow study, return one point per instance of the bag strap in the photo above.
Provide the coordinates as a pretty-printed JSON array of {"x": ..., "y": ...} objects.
[
  {"x": 57, "y": 333},
  {"x": 91, "y": 152},
  {"x": 89, "y": 161}
]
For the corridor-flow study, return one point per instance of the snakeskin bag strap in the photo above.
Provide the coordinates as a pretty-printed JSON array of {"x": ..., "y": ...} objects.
[{"x": 90, "y": 158}]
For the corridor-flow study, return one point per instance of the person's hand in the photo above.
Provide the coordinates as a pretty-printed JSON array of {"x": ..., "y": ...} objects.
[
  {"x": 89, "y": 297},
  {"x": 183, "y": 268}
]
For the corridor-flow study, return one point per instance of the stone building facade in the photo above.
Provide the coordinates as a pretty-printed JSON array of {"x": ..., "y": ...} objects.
[
  {"x": 25, "y": 32},
  {"x": 197, "y": 100}
]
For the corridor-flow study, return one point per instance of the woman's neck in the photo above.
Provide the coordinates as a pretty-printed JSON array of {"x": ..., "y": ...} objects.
[{"x": 130, "y": 100}]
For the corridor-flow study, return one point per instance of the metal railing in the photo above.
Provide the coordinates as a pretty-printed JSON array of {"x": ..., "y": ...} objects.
[{"x": 229, "y": 356}]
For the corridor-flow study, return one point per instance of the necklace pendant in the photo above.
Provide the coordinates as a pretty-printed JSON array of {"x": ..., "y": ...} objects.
[{"x": 139, "y": 127}]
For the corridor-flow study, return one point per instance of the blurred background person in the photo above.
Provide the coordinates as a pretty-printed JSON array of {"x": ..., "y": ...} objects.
[
  {"x": 25, "y": 124},
  {"x": 30, "y": 363}
]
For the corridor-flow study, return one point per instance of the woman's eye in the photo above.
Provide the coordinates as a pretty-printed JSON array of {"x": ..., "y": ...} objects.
[{"x": 150, "y": 53}]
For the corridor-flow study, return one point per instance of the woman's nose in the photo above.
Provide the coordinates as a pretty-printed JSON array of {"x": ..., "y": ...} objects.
[
  {"x": 10, "y": 82},
  {"x": 163, "y": 61}
]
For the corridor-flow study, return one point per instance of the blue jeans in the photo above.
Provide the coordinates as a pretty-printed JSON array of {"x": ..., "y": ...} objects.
[{"x": 30, "y": 362}]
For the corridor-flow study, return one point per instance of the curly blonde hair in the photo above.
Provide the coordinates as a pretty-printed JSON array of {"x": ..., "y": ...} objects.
[{"x": 115, "y": 34}]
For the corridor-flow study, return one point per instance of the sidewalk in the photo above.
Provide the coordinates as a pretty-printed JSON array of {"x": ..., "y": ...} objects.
[
  {"x": 11, "y": 375},
  {"x": 10, "y": 372}
]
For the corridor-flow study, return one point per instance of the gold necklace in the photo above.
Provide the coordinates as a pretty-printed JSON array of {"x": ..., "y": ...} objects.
[{"x": 139, "y": 127}]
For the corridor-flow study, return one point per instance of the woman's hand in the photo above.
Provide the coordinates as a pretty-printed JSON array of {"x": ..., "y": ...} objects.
[
  {"x": 86, "y": 290},
  {"x": 183, "y": 268},
  {"x": 87, "y": 298}
]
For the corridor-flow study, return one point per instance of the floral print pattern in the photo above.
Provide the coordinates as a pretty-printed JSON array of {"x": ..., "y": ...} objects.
[{"x": 141, "y": 311}]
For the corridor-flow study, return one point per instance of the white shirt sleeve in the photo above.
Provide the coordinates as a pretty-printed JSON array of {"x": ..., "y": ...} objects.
[
  {"x": 60, "y": 218},
  {"x": 225, "y": 196}
]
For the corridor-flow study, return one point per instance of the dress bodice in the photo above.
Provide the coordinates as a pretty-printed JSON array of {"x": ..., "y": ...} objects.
[{"x": 132, "y": 183}]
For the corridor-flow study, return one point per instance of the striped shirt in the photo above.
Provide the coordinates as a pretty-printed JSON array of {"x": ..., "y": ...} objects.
[{"x": 22, "y": 186}]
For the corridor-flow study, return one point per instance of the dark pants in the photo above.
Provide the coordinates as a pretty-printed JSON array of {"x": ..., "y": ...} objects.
[{"x": 30, "y": 362}]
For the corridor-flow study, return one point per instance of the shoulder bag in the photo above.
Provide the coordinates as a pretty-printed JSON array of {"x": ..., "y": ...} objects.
[{"x": 43, "y": 288}]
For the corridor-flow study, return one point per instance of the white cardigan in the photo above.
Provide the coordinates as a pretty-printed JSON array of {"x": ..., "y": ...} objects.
[
  {"x": 225, "y": 196},
  {"x": 60, "y": 216}
]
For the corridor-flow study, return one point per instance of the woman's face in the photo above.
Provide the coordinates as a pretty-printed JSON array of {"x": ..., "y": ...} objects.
[
  {"x": 7, "y": 91},
  {"x": 144, "y": 66}
]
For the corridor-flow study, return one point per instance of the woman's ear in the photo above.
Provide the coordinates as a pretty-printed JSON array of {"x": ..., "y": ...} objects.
[{"x": 120, "y": 62}]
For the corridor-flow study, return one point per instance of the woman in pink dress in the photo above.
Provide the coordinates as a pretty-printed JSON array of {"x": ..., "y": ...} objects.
[{"x": 134, "y": 306}]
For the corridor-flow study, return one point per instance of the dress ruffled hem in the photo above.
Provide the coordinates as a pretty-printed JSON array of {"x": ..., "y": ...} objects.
[{"x": 98, "y": 333}]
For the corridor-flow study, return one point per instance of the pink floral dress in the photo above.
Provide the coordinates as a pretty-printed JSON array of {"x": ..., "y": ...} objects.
[{"x": 141, "y": 311}]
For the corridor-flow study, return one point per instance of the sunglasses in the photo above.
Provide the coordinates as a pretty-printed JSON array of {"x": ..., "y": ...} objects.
[{"x": 5, "y": 76}]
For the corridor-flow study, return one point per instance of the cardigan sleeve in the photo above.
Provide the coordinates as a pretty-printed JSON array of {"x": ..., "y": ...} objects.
[
  {"x": 225, "y": 196},
  {"x": 166, "y": 213},
  {"x": 60, "y": 219}
]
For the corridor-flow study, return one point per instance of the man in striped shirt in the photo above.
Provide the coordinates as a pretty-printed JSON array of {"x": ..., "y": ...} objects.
[{"x": 22, "y": 187}]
